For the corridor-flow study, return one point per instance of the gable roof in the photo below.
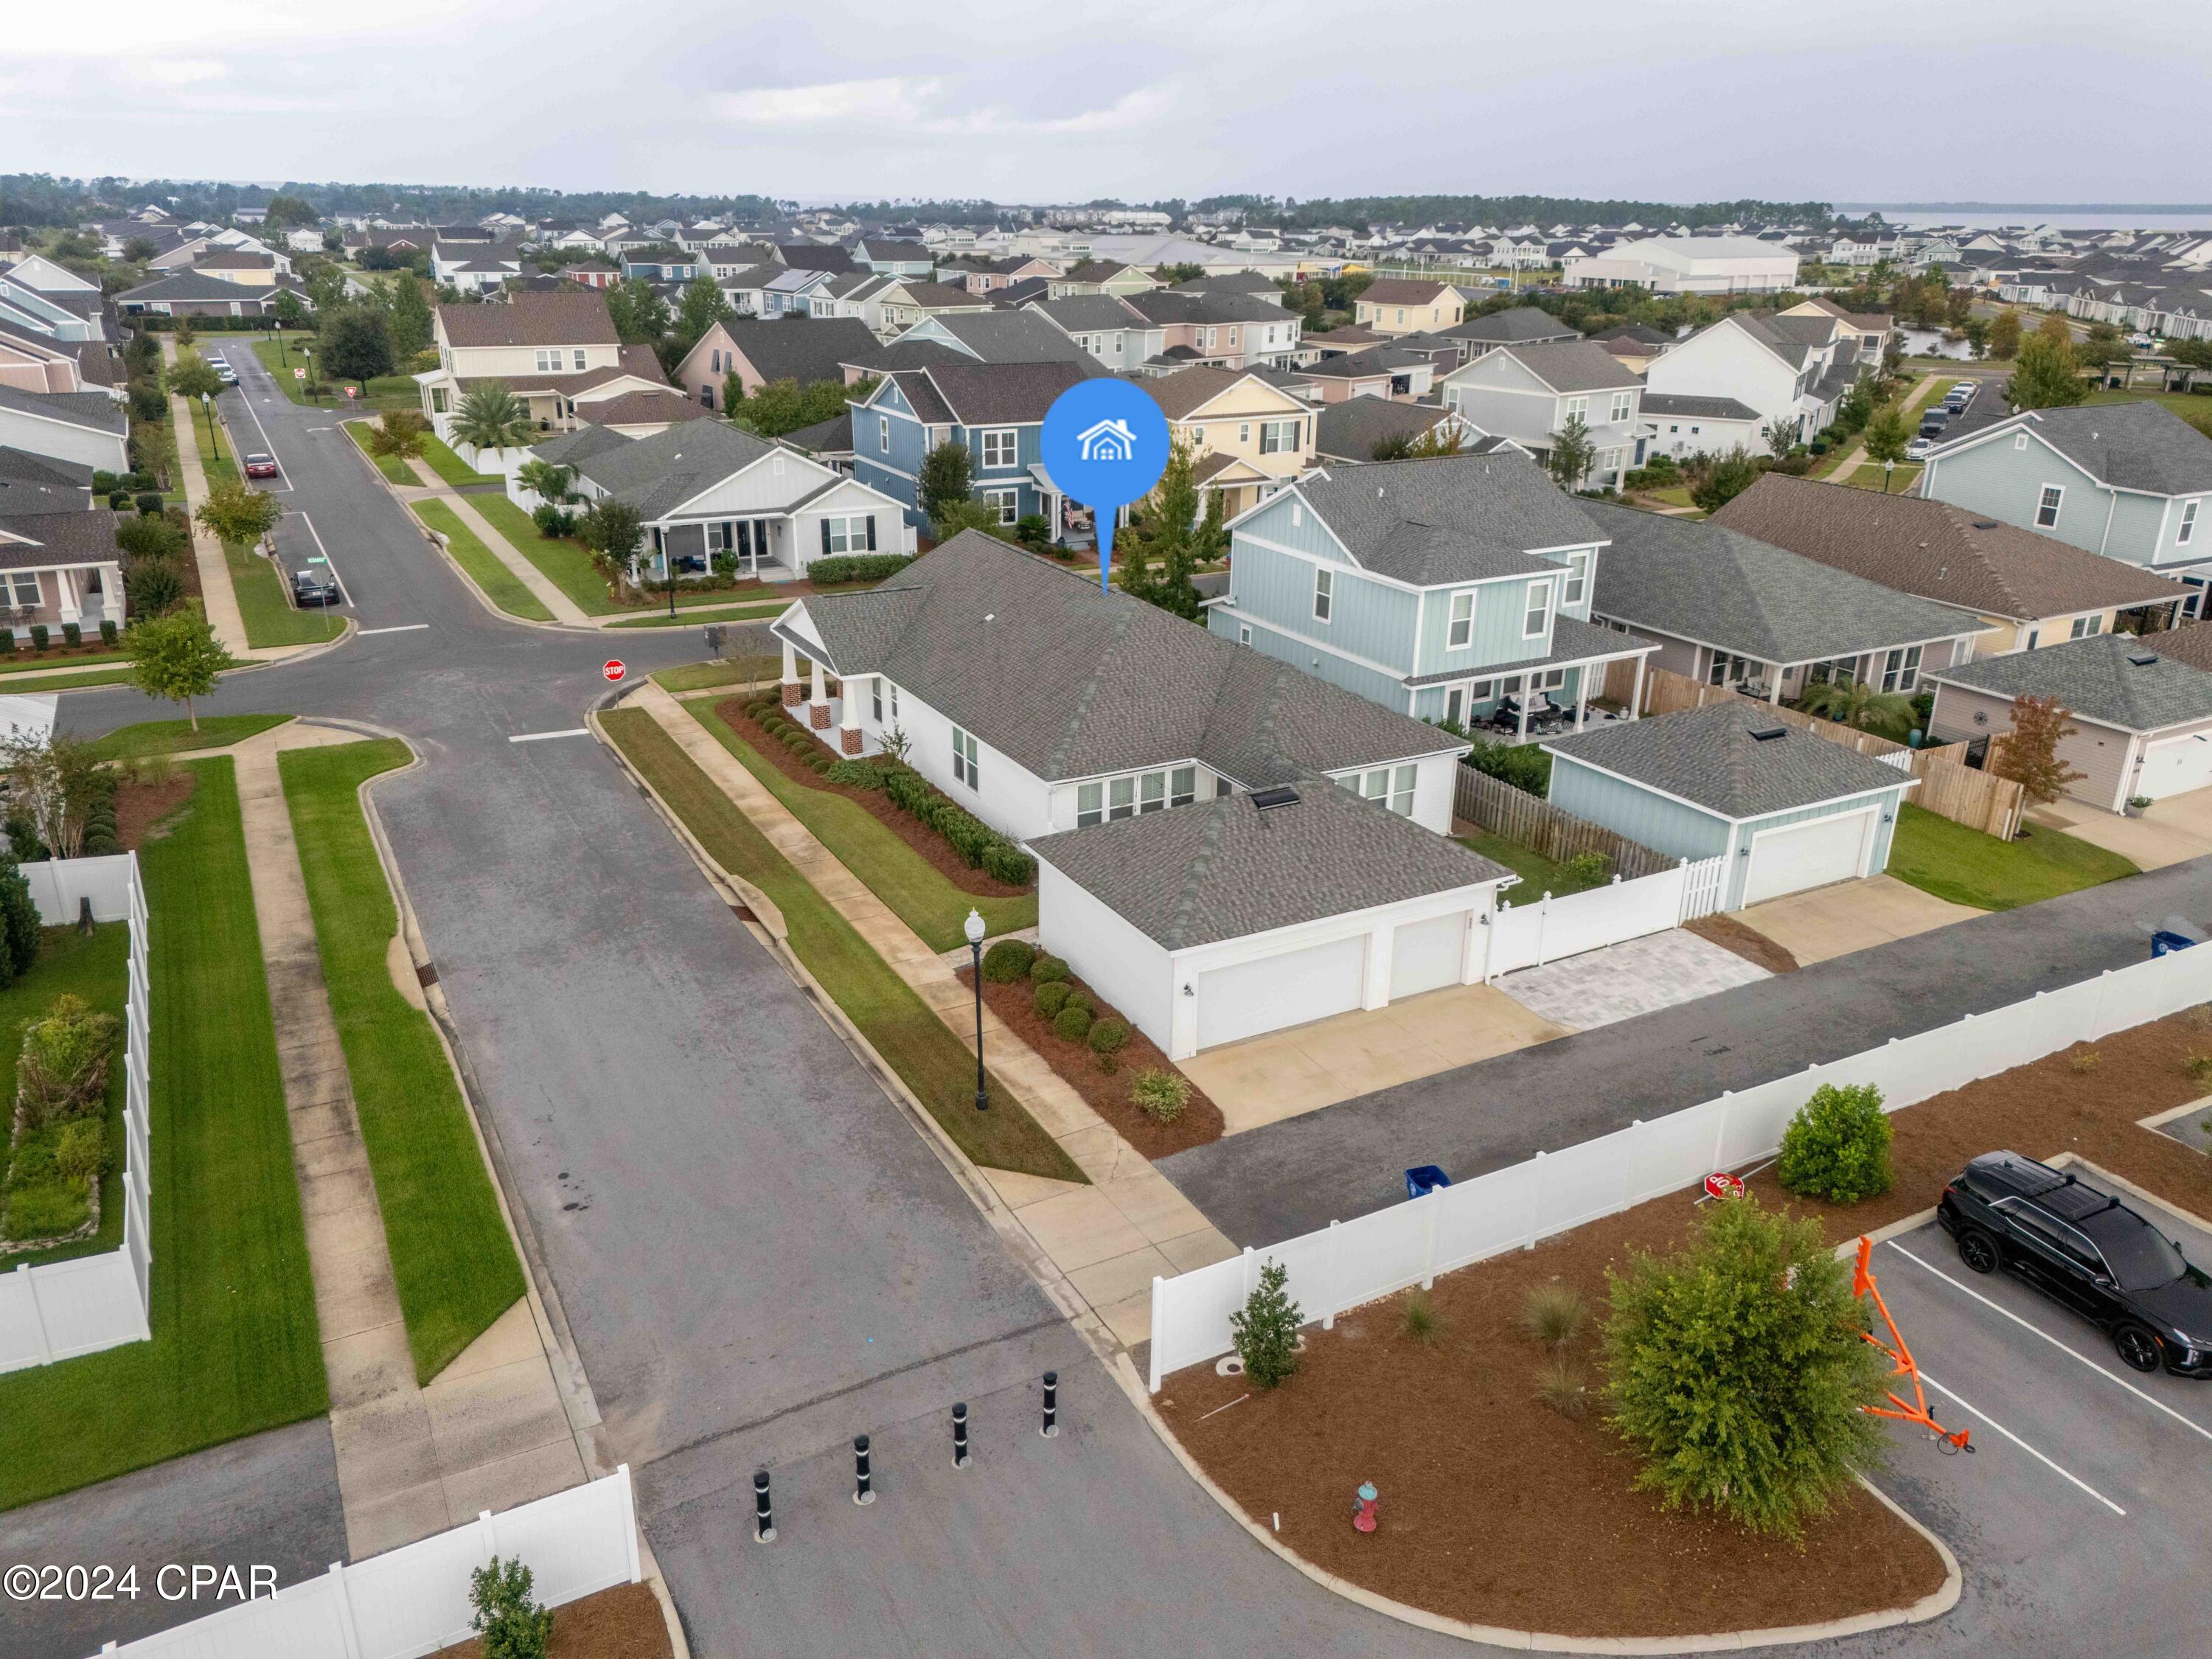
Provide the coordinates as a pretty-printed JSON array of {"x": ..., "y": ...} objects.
[
  {"x": 831, "y": 437},
  {"x": 984, "y": 394},
  {"x": 1568, "y": 366},
  {"x": 94, "y": 410},
  {"x": 1093, "y": 311},
  {"x": 797, "y": 347},
  {"x": 1403, "y": 291},
  {"x": 658, "y": 474},
  {"x": 1454, "y": 518},
  {"x": 1350, "y": 430},
  {"x": 1010, "y": 337},
  {"x": 36, "y": 541},
  {"x": 641, "y": 408},
  {"x": 2100, "y": 679},
  {"x": 1683, "y": 405},
  {"x": 570, "y": 316},
  {"x": 1710, "y": 756},
  {"x": 1938, "y": 551},
  {"x": 2131, "y": 446},
  {"x": 1189, "y": 390},
  {"x": 1520, "y": 324},
  {"x": 1702, "y": 581}
]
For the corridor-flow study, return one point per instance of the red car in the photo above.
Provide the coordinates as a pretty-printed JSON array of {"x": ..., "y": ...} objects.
[{"x": 260, "y": 466}]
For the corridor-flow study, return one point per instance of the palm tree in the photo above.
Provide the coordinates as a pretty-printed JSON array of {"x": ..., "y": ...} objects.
[
  {"x": 546, "y": 481},
  {"x": 1855, "y": 703},
  {"x": 492, "y": 417}
]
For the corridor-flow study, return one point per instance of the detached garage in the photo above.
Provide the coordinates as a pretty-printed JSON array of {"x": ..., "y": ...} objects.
[
  {"x": 1231, "y": 918},
  {"x": 1785, "y": 808}
]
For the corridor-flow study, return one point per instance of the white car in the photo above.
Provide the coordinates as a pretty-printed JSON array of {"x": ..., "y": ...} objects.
[{"x": 1918, "y": 448}]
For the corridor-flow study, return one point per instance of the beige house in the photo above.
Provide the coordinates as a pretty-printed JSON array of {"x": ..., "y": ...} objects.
[
  {"x": 1397, "y": 306},
  {"x": 58, "y": 568},
  {"x": 1101, "y": 277},
  {"x": 1250, "y": 437},
  {"x": 557, "y": 351},
  {"x": 907, "y": 299}
]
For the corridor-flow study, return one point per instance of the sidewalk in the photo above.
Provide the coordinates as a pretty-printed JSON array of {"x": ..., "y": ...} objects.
[
  {"x": 490, "y": 1432},
  {"x": 216, "y": 591},
  {"x": 541, "y": 587},
  {"x": 1108, "y": 1239}
]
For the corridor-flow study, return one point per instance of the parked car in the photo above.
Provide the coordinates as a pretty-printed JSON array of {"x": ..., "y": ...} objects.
[
  {"x": 1932, "y": 423},
  {"x": 311, "y": 586},
  {"x": 226, "y": 373},
  {"x": 1918, "y": 448},
  {"x": 2086, "y": 1251},
  {"x": 259, "y": 465}
]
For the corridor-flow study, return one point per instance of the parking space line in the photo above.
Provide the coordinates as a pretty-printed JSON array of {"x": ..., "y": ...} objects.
[
  {"x": 2193, "y": 1427},
  {"x": 397, "y": 627},
  {"x": 345, "y": 594},
  {"x": 2022, "y": 1445},
  {"x": 267, "y": 448},
  {"x": 540, "y": 737}
]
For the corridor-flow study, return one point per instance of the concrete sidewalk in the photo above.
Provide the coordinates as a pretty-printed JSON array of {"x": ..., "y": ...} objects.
[
  {"x": 215, "y": 591},
  {"x": 1108, "y": 1239},
  {"x": 541, "y": 587}
]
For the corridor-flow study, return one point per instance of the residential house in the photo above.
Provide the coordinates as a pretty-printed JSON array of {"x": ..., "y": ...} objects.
[
  {"x": 1792, "y": 371},
  {"x": 980, "y": 275},
  {"x": 1248, "y": 437},
  {"x": 1225, "y": 846},
  {"x": 192, "y": 293},
  {"x": 886, "y": 258},
  {"x": 476, "y": 267},
  {"x": 1227, "y": 331},
  {"x": 757, "y": 351},
  {"x": 37, "y": 484},
  {"x": 995, "y": 411},
  {"x": 2026, "y": 590},
  {"x": 33, "y": 362},
  {"x": 903, "y": 303},
  {"x": 56, "y": 568},
  {"x": 1355, "y": 429},
  {"x": 1635, "y": 345},
  {"x": 82, "y": 428},
  {"x": 1395, "y": 305},
  {"x": 1869, "y": 332},
  {"x": 1674, "y": 424},
  {"x": 1531, "y": 392},
  {"x": 999, "y": 337},
  {"x": 557, "y": 351},
  {"x": 1455, "y": 588},
  {"x": 1520, "y": 325},
  {"x": 593, "y": 273},
  {"x": 1107, "y": 328},
  {"x": 815, "y": 256},
  {"x": 75, "y": 315},
  {"x": 829, "y": 442},
  {"x": 1110, "y": 276},
  {"x": 237, "y": 265},
  {"x": 1378, "y": 372}
]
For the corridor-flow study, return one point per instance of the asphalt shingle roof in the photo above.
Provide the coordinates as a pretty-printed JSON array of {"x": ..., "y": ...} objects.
[
  {"x": 1683, "y": 406},
  {"x": 1093, "y": 312},
  {"x": 2100, "y": 680},
  {"x": 658, "y": 474},
  {"x": 1709, "y": 756},
  {"x": 2134, "y": 445},
  {"x": 40, "y": 540},
  {"x": 569, "y": 317},
  {"x": 1573, "y": 366},
  {"x": 801, "y": 348},
  {"x": 96, "y": 409},
  {"x": 1350, "y": 430},
  {"x": 1010, "y": 337},
  {"x": 1519, "y": 326},
  {"x": 979, "y": 394},
  {"x": 1490, "y": 510}
]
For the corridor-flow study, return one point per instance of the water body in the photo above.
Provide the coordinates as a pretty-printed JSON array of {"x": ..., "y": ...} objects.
[{"x": 1991, "y": 216}]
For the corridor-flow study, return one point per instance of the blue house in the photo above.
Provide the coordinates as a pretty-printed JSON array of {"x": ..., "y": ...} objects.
[
  {"x": 995, "y": 411},
  {"x": 1455, "y": 588},
  {"x": 659, "y": 265}
]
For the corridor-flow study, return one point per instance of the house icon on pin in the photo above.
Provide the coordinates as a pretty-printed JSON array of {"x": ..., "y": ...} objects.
[{"x": 1107, "y": 441}]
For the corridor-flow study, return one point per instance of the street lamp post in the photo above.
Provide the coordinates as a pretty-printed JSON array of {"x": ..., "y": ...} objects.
[
  {"x": 1888, "y": 467},
  {"x": 974, "y": 929},
  {"x": 207, "y": 409}
]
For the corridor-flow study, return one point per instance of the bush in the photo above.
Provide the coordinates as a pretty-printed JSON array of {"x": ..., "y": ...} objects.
[
  {"x": 907, "y": 788},
  {"x": 82, "y": 1154},
  {"x": 1046, "y": 967},
  {"x": 108, "y": 632},
  {"x": 1838, "y": 1146},
  {"x": 821, "y": 763},
  {"x": 7, "y": 639},
  {"x": 1079, "y": 1000},
  {"x": 1265, "y": 1329},
  {"x": 1418, "y": 1319},
  {"x": 551, "y": 521},
  {"x": 1160, "y": 1096},
  {"x": 1004, "y": 861},
  {"x": 855, "y": 567},
  {"x": 149, "y": 502},
  {"x": 118, "y": 500},
  {"x": 1587, "y": 869},
  {"x": 1109, "y": 1035},
  {"x": 72, "y": 635},
  {"x": 856, "y": 774},
  {"x": 1071, "y": 1022},
  {"x": 20, "y": 927},
  {"x": 1736, "y": 1367},
  {"x": 40, "y": 635},
  {"x": 1525, "y": 766},
  {"x": 1559, "y": 1385},
  {"x": 1049, "y": 997},
  {"x": 1008, "y": 960},
  {"x": 514, "y": 1626},
  {"x": 63, "y": 1071}
]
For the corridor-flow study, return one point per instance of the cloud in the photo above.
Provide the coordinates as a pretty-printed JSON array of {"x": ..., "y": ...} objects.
[
  {"x": 174, "y": 71},
  {"x": 828, "y": 103},
  {"x": 928, "y": 106}
]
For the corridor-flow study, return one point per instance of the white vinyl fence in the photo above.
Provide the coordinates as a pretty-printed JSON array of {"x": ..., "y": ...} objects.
[
  {"x": 69, "y": 1308},
  {"x": 415, "y": 1600},
  {"x": 1545, "y": 929},
  {"x": 1355, "y": 1261}
]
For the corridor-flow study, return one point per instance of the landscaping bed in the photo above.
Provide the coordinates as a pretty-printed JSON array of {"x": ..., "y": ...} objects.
[
  {"x": 1441, "y": 1429},
  {"x": 623, "y": 1623},
  {"x": 144, "y": 804},
  {"x": 47, "y": 1211},
  {"x": 1748, "y": 942}
]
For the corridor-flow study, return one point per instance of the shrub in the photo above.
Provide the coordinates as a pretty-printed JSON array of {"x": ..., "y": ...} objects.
[
  {"x": 1418, "y": 1318},
  {"x": 1045, "y": 966},
  {"x": 1525, "y": 766},
  {"x": 82, "y": 1153},
  {"x": 149, "y": 502},
  {"x": 7, "y": 639},
  {"x": 118, "y": 500},
  {"x": 1109, "y": 1035},
  {"x": 1049, "y": 997},
  {"x": 855, "y": 567},
  {"x": 1736, "y": 1367},
  {"x": 1008, "y": 960},
  {"x": 551, "y": 521},
  {"x": 1838, "y": 1146},
  {"x": 1004, "y": 861},
  {"x": 72, "y": 633},
  {"x": 514, "y": 1626},
  {"x": 1160, "y": 1096},
  {"x": 1265, "y": 1329},
  {"x": 821, "y": 763},
  {"x": 855, "y": 774},
  {"x": 1587, "y": 869},
  {"x": 907, "y": 788},
  {"x": 1079, "y": 1000},
  {"x": 108, "y": 632},
  {"x": 1554, "y": 1314},
  {"x": 40, "y": 635},
  {"x": 2084, "y": 1061},
  {"x": 1071, "y": 1022},
  {"x": 63, "y": 1071},
  {"x": 1560, "y": 1386}
]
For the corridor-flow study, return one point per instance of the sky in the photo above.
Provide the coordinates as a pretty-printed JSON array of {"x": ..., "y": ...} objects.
[{"x": 1885, "y": 101}]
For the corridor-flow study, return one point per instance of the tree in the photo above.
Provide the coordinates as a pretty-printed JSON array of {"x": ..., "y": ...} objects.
[
  {"x": 699, "y": 307},
  {"x": 1157, "y": 561},
  {"x": 2048, "y": 374},
  {"x": 639, "y": 315},
  {"x": 192, "y": 377},
  {"x": 1781, "y": 435},
  {"x": 1736, "y": 1367},
  {"x": 176, "y": 657},
  {"x": 968, "y": 513},
  {"x": 289, "y": 213},
  {"x": 55, "y": 782},
  {"x": 325, "y": 283},
  {"x": 287, "y": 310},
  {"x": 399, "y": 433},
  {"x": 234, "y": 512},
  {"x": 514, "y": 1624},
  {"x": 1857, "y": 704},
  {"x": 2029, "y": 754},
  {"x": 547, "y": 481},
  {"x": 2004, "y": 335},
  {"x": 2194, "y": 356},
  {"x": 733, "y": 394},
  {"x": 21, "y": 926},
  {"x": 1572, "y": 452},
  {"x": 411, "y": 318},
  {"x": 491, "y": 417},
  {"x": 1265, "y": 1329},
  {"x": 1725, "y": 479},
  {"x": 946, "y": 476},
  {"x": 612, "y": 531},
  {"x": 1888, "y": 435},
  {"x": 1978, "y": 337},
  {"x": 355, "y": 342},
  {"x": 138, "y": 249}
]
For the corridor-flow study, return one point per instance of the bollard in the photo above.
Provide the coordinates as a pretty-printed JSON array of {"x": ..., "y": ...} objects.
[
  {"x": 864, "y": 1491},
  {"x": 1051, "y": 1405},
  {"x": 763, "y": 1517},
  {"x": 960, "y": 1458}
]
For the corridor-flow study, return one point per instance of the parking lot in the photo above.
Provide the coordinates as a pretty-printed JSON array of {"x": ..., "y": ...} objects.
[{"x": 2083, "y": 1517}]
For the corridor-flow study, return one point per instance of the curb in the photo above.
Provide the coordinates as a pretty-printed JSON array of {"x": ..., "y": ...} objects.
[{"x": 2075, "y": 1160}]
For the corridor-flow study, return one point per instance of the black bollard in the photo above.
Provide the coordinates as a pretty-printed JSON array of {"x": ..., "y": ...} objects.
[
  {"x": 960, "y": 1459},
  {"x": 1051, "y": 1405},
  {"x": 763, "y": 1517},
  {"x": 863, "y": 1492}
]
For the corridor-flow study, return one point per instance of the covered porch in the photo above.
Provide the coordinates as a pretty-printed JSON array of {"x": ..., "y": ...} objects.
[
  {"x": 1526, "y": 701},
  {"x": 36, "y": 589},
  {"x": 763, "y": 546}
]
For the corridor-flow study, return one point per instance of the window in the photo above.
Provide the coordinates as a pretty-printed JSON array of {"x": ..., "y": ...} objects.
[
  {"x": 883, "y": 437},
  {"x": 2181, "y": 537},
  {"x": 1551, "y": 680},
  {"x": 1577, "y": 408},
  {"x": 1000, "y": 448},
  {"x": 2085, "y": 625},
  {"x": 1008, "y": 502},
  {"x": 1324, "y": 593},
  {"x": 1462, "y": 632},
  {"x": 1539, "y": 610},
  {"x": 1391, "y": 784},
  {"x": 1624, "y": 406},
  {"x": 1243, "y": 427},
  {"x": 549, "y": 362},
  {"x": 1152, "y": 792},
  {"x": 26, "y": 587},
  {"x": 1901, "y": 670},
  {"x": 1481, "y": 691},
  {"x": 1090, "y": 804},
  {"x": 578, "y": 359},
  {"x": 855, "y": 534},
  {"x": 1232, "y": 340},
  {"x": 1183, "y": 786},
  {"x": 1122, "y": 795},
  {"x": 2046, "y": 508},
  {"x": 1281, "y": 438},
  {"x": 876, "y": 698},
  {"x": 964, "y": 758},
  {"x": 1243, "y": 634},
  {"x": 1577, "y": 577},
  {"x": 707, "y": 396},
  {"x": 1198, "y": 436},
  {"x": 2021, "y": 442}
]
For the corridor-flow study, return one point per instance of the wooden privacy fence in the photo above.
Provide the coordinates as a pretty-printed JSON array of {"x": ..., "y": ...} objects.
[{"x": 1500, "y": 808}]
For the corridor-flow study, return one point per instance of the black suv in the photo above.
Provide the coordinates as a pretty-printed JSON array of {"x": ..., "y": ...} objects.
[{"x": 2087, "y": 1251}]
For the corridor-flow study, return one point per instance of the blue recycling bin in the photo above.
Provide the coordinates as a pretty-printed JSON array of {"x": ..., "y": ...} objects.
[
  {"x": 1423, "y": 1178},
  {"x": 2161, "y": 943}
]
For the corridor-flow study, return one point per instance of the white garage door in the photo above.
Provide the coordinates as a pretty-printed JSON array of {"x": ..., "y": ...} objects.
[
  {"x": 1809, "y": 855},
  {"x": 1289, "y": 989},
  {"x": 1424, "y": 955},
  {"x": 2174, "y": 766}
]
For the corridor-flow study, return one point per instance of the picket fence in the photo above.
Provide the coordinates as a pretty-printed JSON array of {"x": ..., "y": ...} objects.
[
  {"x": 415, "y": 1600},
  {"x": 1356, "y": 1262},
  {"x": 1546, "y": 928},
  {"x": 64, "y": 1309}
]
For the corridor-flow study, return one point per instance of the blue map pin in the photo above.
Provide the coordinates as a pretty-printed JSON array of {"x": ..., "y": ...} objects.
[{"x": 1105, "y": 444}]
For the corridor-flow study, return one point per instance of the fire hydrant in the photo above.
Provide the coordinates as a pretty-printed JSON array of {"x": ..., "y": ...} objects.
[{"x": 1363, "y": 1514}]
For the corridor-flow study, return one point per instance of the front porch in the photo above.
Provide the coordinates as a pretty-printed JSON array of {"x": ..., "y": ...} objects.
[
  {"x": 763, "y": 546},
  {"x": 57, "y": 596},
  {"x": 1545, "y": 697}
]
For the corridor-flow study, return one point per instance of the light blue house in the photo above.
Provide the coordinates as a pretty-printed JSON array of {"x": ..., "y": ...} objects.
[
  {"x": 1783, "y": 808},
  {"x": 1441, "y": 589},
  {"x": 995, "y": 411}
]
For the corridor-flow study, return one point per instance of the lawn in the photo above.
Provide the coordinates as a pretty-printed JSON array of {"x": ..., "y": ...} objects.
[
  {"x": 394, "y": 467},
  {"x": 38, "y": 662},
  {"x": 263, "y": 601},
  {"x": 912, "y": 1040},
  {"x": 1870, "y": 477},
  {"x": 565, "y": 562},
  {"x": 95, "y": 969},
  {"x": 235, "y": 1346},
  {"x": 451, "y": 467},
  {"x": 384, "y": 391},
  {"x": 1538, "y": 875},
  {"x": 705, "y": 675},
  {"x": 700, "y": 618},
  {"x": 915, "y": 890},
  {"x": 2192, "y": 406},
  {"x": 501, "y": 586},
  {"x": 451, "y": 1260},
  {"x": 1968, "y": 867},
  {"x": 75, "y": 682},
  {"x": 172, "y": 737}
]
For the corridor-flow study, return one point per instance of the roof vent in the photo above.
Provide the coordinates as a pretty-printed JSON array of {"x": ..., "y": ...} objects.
[
  {"x": 1769, "y": 734},
  {"x": 1267, "y": 800},
  {"x": 2142, "y": 659},
  {"x": 1985, "y": 524}
]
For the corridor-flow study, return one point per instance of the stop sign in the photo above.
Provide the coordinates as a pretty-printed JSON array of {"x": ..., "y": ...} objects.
[
  {"x": 1722, "y": 1184},
  {"x": 614, "y": 669}
]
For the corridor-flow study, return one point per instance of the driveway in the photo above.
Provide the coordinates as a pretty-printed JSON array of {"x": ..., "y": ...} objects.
[
  {"x": 1823, "y": 922},
  {"x": 2170, "y": 830},
  {"x": 1637, "y": 976}
]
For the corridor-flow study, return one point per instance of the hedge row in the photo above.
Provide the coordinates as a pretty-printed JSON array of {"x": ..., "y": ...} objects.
[{"x": 855, "y": 567}]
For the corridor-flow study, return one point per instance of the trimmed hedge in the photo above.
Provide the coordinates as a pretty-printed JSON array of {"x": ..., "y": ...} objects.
[
  {"x": 855, "y": 567},
  {"x": 1072, "y": 1023},
  {"x": 1109, "y": 1035},
  {"x": 1049, "y": 997},
  {"x": 856, "y": 774},
  {"x": 1047, "y": 967},
  {"x": 980, "y": 845},
  {"x": 1008, "y": 961}
]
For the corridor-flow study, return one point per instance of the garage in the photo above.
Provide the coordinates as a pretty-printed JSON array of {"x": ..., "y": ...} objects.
[
  {"x": 1425, "y": 955},
  {"x": 1290, "y": 989},
  {"x": 2176, "y": 766},
  {"x": 1809, "y": 855}
]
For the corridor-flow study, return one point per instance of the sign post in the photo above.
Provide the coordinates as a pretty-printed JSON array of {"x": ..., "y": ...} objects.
[{"x": 1105, "y": 445}]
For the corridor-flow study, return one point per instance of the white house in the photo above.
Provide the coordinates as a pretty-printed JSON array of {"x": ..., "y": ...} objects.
[
  {"x": 1787, "y": 370},
  {"x": 1687, "y": 264}
]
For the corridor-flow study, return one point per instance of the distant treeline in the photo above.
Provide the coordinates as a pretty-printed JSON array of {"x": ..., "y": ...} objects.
[{"x": 37, "y": 199}]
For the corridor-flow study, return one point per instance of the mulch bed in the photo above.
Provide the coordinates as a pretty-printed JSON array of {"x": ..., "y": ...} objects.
[
  {"x": 141, "y": 807},
  {"x": 1748, "y": 942},
  {"x": 915, "y": 834},
  {"x": 1106, "y": 1093},
  {"x": 622, "y": 1623},
  {"x": 1497, "y": 1511}
]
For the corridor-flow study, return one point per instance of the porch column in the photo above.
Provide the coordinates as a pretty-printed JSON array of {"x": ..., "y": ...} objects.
[
  {"x": 111, "y": 591},
  {"x": 1374, "y": 986},
  {"x": 817, "y": 697},
  {"x": 1636, "y": 698},
  {"x": 65, "y": 582},
  {"x": 849, "y": 719},
  {"x": 790, "y": 676},
  {"x": 1582, "y": 695},
  {"x": 1527, "y": 683}
]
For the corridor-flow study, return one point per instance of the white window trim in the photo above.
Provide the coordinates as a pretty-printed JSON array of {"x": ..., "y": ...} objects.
[
  {"x": 1459, "y": 630},
  {"x": 996, "y": 438},
  {"x": 966, "y": 752},
  {"x": 1324, "y": 594},
  {"x": 1538, "y": 607},
  {"x": 2058, "y": 506},
  {"x": 1008, "y": 500},
  {"x": 2186, "y": 531}
]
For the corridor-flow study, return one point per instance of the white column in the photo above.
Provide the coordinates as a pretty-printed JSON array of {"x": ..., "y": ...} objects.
[
  {"x": 818, "y": 696},
  {"x": 1636, "y": 698},
  {"x": 111, "y": 587},
  {"x": 65, "y": 583},
  {"x": 1528, "y": 684},
  {"x": 1375, "y": 987},
  {"x": 848, "y": 717},
  {"x": 790, "y": 664},
  {"x": 1581, "y": 695}
]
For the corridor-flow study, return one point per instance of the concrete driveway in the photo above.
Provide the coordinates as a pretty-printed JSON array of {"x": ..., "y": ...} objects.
[
  {"x": 1823, "y": 922},
  {"x": 2177, "y": 827}
]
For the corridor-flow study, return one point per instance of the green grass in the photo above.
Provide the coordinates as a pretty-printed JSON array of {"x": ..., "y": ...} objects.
[
  {"x": 216, "y": 460},
  {"x": 235, "y": 1347},
  {"x": 1538, "y": 875},
  {"x": 1673, "y": 496},
  {"x": 2189, "y": 406},
  {"x": 699, "y": 618},
  {"x": 451, "y": 467},
  {"x": 172, "y": 737},
  {"x": 564, "y": 562},
  {"x": 501, "y": 586},
  {"x": 394, "y": 467},
  {"x": 451, "y": 1260},
  {"x": 95, "y": 969},
  {"x": 78, "y": 682},
  {"x": 280, "y": 368},
  {"x": 911, "y": 1039},
  {"x": 34, "y": 663},
  {"x": 706, "y": 676},
  {"x": 263, "y": 601},
  {"x": 384, "y": 391},
  {"x": 1870, "y": 477},
  {"x": 915, "y": 890},
  {"x": 1968, "y": 867}
]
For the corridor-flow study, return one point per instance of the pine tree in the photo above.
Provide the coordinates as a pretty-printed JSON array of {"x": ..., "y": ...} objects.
[{"x": 1265, "y": 1329}]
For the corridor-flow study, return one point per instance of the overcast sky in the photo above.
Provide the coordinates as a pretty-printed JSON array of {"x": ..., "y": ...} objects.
[{"x": 1696, "y": 100}]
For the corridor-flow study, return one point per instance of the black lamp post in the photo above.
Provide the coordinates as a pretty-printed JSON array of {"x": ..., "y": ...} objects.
[
  {"x": 974, "y": 929},
  {"x": 1888, "y": 467}
]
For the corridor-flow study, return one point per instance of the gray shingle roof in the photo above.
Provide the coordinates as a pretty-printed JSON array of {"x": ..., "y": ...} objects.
[
  {"x": 2099, "y": 679},
  {"x": 1350, "y": 430},
  {"x": 1573, "y": 641},
  {"x": 1709, "y": 756},
  {"x": 1012, "y": 337},
  {"x": 832, "y": 436},
  {"x": 1702, "y": 581},
  {"x": 1681, "y": 406},
  {"x": 1093, "y": 311},
  {"x": 1013, "y": 394},
  {"x": 1574, "y": 366},
  {"x": 569, "y": 317},
  {"x": 2134, "y": 445},
  {"x": 1497, "y": 506},
  {"x": 1518, "y": 326},
  {"x": 38, "y": 541},
  {"x": 1223, "y": 869},
  {"x": 801, "y": 348},
  {"x": 659, "y": 474},
  {"x": 96, "y": 409}
]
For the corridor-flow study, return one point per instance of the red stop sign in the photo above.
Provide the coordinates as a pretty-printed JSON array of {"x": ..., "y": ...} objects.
[
  {"x": 1722, "y": 1184},
  {"x": 614, "y": 669}
]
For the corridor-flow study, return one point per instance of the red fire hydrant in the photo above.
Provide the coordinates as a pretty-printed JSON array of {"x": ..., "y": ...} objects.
[{"x": 1363, "y": 1513}]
